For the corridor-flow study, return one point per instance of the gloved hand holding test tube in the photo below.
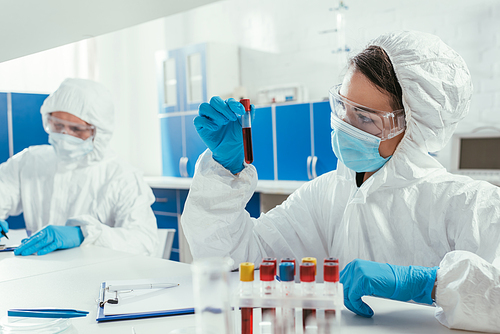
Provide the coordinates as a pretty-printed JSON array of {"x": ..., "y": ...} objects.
[{"x": 225, "y": 127}]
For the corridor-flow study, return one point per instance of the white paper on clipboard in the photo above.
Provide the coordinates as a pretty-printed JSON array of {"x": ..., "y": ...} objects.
[{"x": 151, "y": 300}]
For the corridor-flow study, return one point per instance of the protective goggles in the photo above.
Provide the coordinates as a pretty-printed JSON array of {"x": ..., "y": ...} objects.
[
  {"x": 57, "y": 125},
  {"x": 382, "y": 124}
]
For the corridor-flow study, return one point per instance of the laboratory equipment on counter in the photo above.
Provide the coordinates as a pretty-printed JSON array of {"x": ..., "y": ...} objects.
[
  {"x": 475, "y": 154},
  {"x": 283, "y": 306},
  {"x": 246, "y": 125},
  {"x": 211, "y": 295}
]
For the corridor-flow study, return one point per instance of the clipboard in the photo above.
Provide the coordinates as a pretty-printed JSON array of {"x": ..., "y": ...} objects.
[{"x": 147, "y": 302}]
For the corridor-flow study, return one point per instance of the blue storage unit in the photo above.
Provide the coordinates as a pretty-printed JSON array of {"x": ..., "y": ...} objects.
[
  {"x": 27, "y": 122},
  {"x": 4, "y": 129},
  {"x": 171, "y": 142},
  {"x": 167, "y": 209},
  {"x": 262, "y": 141},
  {"x": 194, "y": 144},
  {"x": 293, "y": 138},
  {"x": 182, "y": 86},
  {"x": 27, "y": 130},
  {"x": 326, "y": 159}
]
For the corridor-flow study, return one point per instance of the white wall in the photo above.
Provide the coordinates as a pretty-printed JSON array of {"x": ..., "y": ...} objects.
[{"x": 281, "y": 42}]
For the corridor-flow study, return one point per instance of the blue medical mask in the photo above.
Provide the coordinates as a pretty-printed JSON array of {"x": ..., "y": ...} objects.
[
  {"x": 356, "y": 149},
  {"x": 70, "y": 148}
]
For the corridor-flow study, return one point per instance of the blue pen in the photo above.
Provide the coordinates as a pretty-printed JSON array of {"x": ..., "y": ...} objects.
[{"x": 46, "y": 313}]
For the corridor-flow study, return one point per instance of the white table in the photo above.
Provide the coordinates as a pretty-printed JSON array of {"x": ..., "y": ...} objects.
[{"x": 71, "y": 279}]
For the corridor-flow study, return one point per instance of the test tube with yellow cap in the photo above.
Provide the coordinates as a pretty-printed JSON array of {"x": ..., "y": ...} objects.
[{"x": 246, "y": 289}]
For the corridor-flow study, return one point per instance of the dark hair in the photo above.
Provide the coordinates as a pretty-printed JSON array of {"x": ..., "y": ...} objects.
[{"x": 375, "y": 64}]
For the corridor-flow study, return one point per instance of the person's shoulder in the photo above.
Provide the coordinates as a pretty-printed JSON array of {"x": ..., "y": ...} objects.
[
  {"x": 37, "y": 152},
  {"x": 119, "y": 171},
  {"x": 450, "y": 185}
]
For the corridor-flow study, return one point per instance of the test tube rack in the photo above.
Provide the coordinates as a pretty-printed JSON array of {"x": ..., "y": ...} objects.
[{"x": 296, "y": 302}]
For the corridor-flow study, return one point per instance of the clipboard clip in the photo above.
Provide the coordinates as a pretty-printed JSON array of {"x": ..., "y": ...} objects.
[{"x": 113, "y": 301}]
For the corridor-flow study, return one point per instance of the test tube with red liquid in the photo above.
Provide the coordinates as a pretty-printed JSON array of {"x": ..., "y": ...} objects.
[
  {"x": 246, "y": 125},
  {"x": 308, "y": 283},
  {"x": 331, "y": 285},
  {"x": 246, "y": 288}
]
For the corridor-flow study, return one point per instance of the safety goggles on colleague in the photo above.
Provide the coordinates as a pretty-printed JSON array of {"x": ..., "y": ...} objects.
[
  {"x": 382, "y": 124},
  {"x": 57, "y": 125}
]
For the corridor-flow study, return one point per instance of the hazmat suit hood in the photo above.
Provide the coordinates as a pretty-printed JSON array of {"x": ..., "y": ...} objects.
[
  {"x": 437, "y": 89},
  {"x": 89, "y": 101},
  {"x": 436, "y": 86}
]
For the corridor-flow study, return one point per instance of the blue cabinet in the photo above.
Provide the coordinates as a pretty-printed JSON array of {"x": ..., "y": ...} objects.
[
  {"x": 27, "y": 125},
  {"x": 169, "y": 205},
  {"x": 187, "y": 77},
  {"x": 182, "y": 78},
  {"x": 20, "y": 127},
  {"x": 167, "y": 209},
  {"x": 324, "y": 160},
  {"x": 4, "y": 129},
  {"x": 181, "y": 145},
  {"x": 262, "y": 142},
  {"x": 293, "y": 141}
]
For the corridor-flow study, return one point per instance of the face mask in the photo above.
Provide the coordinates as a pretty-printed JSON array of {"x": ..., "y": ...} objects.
[
  {"x": 70, "y": 148},
  {"x": 356, "y": 149}
]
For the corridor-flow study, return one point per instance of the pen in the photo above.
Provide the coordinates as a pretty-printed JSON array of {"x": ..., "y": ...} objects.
[
  {"x": 46, "y": 313},
  {"x": 141, "y": 286},
  {"x": 4, "y": 234}
]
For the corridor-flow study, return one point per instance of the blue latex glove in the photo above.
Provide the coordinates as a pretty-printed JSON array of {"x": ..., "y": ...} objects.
[
  {"x": 49, "y": 239},
  {"x": 219, "y": 126},
  {"x": 4, "y": 226},
  {"x": 366, "y": 278}
]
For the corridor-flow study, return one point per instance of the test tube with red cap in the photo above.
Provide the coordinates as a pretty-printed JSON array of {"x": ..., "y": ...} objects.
[
  {"x": 267, "y": 274},
  {"x": 246, "y": 125},
  {"x": 332, "y": 259},
  {"x": 331, "y": 284},
  {"x": 308, "y": 285},
  {"x": 273, "y": 261}
]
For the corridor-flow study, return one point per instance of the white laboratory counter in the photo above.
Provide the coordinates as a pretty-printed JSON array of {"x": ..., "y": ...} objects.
[
  {"x": 71, "y": 278},
  {"x": 263, "y": 186}
]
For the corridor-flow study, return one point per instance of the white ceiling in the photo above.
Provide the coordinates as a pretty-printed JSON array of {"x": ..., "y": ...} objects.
[{"x": 30, "y": 26}]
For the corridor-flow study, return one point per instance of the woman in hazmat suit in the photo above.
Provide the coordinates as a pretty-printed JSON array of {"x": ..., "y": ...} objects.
[
  {"x": 402, "y": 226},
  {"x": 75, "y": 191}
]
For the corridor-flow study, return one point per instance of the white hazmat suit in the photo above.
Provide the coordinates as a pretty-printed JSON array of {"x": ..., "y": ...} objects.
[
  {"x": 410, "y": 212},
  {"x": 108, "y": 199}
]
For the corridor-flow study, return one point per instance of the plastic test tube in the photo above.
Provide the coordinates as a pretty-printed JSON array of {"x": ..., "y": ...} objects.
[
  {"x": 332, "y": 259},
  {"x": 246, "y": 289},
  {"x": 310, "y": 260},
  {"x": 290, "y": 259},
  {"x": 287, "y": 277},
  {"x": 308, "y": 284},
  {"x": 267, "y": 274},
  {"x": 246, "y": 125},
  {"x": 331, "y": 285},
  {"x": 272, "y": 260}
]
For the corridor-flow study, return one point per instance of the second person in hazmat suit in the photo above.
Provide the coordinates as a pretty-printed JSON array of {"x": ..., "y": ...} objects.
[
  {"x": 402, "y": 226},
  {"x": 75, "y": 191}
]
